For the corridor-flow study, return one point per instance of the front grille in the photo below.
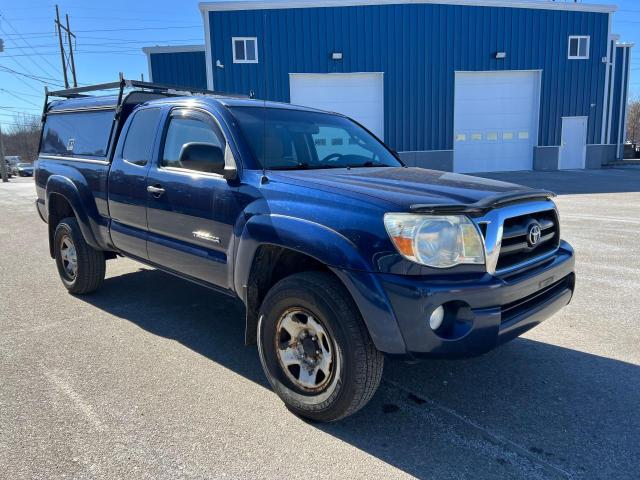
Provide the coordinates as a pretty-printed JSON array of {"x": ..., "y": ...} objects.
[
  {"x": 523, "y": 305},
  {"x": 517, "y": 247}
]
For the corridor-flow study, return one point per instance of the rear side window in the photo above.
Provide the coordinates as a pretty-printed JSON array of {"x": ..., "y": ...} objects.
[
  {"x": 138, "y": 145},
  {"x": 77, "y": 134}
]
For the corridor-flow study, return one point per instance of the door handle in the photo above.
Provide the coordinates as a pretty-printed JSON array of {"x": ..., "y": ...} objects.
[{"x": 155, "y": 191}]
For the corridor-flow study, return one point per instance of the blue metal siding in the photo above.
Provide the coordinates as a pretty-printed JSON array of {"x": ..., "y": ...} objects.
[
  {"x": 620, "y": 88},
  {"x": 419, "y": 47},
  {"x": 186, "y": 69}
]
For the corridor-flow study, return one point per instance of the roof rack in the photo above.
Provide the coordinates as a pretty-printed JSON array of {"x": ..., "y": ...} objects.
[
  {"x": 121, "y": 85},
  {"x": 124, "y": 83}
]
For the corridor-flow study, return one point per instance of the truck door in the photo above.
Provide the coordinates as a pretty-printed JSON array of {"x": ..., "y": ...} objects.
[
  {"x": 128, "y": 182},
  {"x": 190, "y": 212}
]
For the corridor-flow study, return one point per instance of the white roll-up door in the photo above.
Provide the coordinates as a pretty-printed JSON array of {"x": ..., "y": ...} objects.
[
  {"x": 357, "y": 95},
  {"x": 495, "y": 120}
]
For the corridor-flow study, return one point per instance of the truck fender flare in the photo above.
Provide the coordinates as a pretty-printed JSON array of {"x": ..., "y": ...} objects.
[
  {"x": 330, "y": 248},
  {"x": 81, "y": 202},
  {"x": 309, "y": 238}
]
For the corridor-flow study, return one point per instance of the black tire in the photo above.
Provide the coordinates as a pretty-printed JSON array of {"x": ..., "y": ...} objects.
[
  {"x": 91, "y": 266},
  {"x": 357, "y": 365}
]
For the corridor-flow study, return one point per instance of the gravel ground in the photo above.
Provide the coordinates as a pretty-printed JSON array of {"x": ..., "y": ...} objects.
[{"x": 149, "y": 378}]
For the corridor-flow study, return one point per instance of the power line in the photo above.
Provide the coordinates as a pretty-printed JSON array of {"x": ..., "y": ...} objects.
[
  {"x": 21, "y": 109},
  {"x": 24, "y": 68},
  {"x": 22, "y": 93},
  {"x": 27, "y": 75},
  {"x": 95, "y": 9},
  {"x": 117, "y": 42},
  {"x": 55, "y": 70},
  {"x": 19, "y": 97},
  {"x": 96, "y": 52},
  {"x": 29, "y": 56},
  {"x": 116, "y": 30},
  {"x": 45, "y": 80},
  {"x": 14, "y": 114},
  {"x": 119, "y": 19},
  {"x": 118, "y": 39}
]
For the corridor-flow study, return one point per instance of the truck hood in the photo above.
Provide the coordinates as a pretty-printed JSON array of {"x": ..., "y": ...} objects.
[{"x": 409, "y": 188}]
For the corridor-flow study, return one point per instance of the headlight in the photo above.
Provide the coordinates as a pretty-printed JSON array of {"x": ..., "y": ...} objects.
[{"x": 434, "y": 240}]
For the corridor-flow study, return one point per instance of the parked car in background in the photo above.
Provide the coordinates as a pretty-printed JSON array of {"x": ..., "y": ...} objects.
[
  {"x": 24, "y": 170},
  {"x": 340, "y": 253},
  {"x": 13, "y": 159}
]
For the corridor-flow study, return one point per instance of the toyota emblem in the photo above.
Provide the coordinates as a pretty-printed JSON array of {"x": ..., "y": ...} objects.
[{"x": 534, "y": 233}]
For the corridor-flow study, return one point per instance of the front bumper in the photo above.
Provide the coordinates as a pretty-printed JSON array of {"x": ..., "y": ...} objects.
[{"x": 482, "y": 312}]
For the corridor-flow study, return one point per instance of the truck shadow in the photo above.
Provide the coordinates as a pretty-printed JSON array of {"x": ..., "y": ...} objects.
[{"x": 526, "y": 409}]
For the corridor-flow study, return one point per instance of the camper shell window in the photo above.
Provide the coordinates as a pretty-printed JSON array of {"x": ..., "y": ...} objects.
[{"x": 77, "y": 134}]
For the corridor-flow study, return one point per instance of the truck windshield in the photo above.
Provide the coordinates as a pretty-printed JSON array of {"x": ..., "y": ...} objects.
[{"x": 283, "y": 139}]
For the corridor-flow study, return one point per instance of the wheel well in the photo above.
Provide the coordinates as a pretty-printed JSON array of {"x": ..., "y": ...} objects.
[
  {"x": 270, "y": 265},
  {"x": 59, "y": 208}
]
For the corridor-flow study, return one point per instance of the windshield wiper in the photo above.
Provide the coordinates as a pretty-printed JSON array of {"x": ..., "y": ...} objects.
[
  {"x": 300, "y": 166},
  {"x": 305, "y": 166},
  {"x": 367, "y": 164}
]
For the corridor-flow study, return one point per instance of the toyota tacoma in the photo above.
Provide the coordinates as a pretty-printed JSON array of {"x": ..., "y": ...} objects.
[{"x": 340, "y": 253}]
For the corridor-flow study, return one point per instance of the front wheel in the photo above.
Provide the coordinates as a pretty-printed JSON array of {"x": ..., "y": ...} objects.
[
  {"x": 315, "y": 349},
  {"x": 81, "y": 267}
]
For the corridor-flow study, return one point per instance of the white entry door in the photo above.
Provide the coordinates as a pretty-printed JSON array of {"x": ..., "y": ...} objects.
[
  {"x": 495, "y": 120},
  {"x": 357, "y": 95},
  {"x": 573, "y": 151}
]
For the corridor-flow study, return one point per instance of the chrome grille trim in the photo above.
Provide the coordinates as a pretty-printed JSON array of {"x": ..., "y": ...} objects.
[{"x": 493, "y": 222}]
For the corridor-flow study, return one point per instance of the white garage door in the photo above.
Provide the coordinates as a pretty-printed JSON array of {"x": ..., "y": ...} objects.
[
  {"x": 495, "y": 120},
  {"x": 357, "y": 95}
]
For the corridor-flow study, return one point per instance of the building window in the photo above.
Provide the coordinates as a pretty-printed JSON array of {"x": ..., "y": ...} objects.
[
  {"x": 245, "y": 49},
  {"x": 579, "y": 47}
]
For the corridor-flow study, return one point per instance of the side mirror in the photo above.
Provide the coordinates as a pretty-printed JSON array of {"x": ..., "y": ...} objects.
[{"x": 205, "y": 157}]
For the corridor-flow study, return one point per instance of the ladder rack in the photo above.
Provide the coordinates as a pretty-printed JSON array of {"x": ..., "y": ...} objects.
[{"x": 123, "y": 84}]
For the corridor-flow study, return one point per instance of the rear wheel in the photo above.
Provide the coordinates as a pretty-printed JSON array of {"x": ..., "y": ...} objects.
[
  {"x": 81, "y": 267},
  {"x": 315, "y": 349}
]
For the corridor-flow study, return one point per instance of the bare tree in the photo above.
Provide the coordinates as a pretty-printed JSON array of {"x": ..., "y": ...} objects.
[
  {"x": 23, "y": 137},
  {"x": 633, "y": 121}
]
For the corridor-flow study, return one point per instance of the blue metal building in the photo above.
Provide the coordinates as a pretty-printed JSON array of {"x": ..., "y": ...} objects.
[
  {"x": 464, "y": 85},
  {"x": 183, "y": 65}
]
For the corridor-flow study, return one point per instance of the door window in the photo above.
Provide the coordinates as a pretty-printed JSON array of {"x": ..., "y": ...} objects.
[
  {"x": 138, "y": 145},
  {"x": 189, "y": 127}
]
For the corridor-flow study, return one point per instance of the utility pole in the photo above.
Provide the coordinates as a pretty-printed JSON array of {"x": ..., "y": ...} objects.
[
  {"x": 3, "y": 163},
  {"x": 62, "y": 57},
  {"x": 73, "y": 63},
  {"x": 67, "y": 63}
]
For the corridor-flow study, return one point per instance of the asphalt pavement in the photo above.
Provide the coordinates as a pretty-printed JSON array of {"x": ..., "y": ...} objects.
[{"x": 149, "y": 378}]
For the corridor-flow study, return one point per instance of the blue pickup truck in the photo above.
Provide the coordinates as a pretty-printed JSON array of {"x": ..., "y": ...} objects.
[{"x": 340, "y": 253}]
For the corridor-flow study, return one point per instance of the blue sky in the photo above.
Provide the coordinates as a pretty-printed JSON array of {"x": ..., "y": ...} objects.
[{"x": 110, "y": 38}]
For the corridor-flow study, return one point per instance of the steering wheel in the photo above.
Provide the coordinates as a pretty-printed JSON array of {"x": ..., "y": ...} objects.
[{"x": 335, "y": 156}]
